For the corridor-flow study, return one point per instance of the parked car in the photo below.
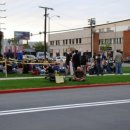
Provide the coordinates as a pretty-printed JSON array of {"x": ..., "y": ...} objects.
[
  {"x": 40, "y": 55},
  {"x": 31, "y": 57},
  {"x": 60, "y": 58}
]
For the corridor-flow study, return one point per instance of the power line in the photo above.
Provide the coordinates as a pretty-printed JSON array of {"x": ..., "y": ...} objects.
[{"x": 75, "y": 29}]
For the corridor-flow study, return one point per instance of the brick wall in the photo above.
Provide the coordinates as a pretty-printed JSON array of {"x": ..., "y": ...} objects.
[
  {"x": 96, "y": 43},
  {"x": 126, "y": 44}
]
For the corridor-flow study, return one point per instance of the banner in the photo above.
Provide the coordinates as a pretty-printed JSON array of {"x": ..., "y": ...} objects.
[
  {"x": 19, "y": 35},
  {"x": 59, "y": 79}
]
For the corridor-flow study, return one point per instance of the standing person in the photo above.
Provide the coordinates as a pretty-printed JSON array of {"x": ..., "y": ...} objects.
[
  {"x": 67, "y": 62},
  {"x": 118, "y": 62},
  {"x": 103, "y": 56},
  {"x": 1, "y": 56},
  {"x": 99, "y": 65},
  {"x": 84, "y": 62},
  {"x": 110, "y": 65},
  {"x": 68, "y": 58},
  {"x": 71, "y": 70},
  {"x": 76, "y": 60},
  {"x": 9, "y": 54},
  {"x": 94, "y": 56}
]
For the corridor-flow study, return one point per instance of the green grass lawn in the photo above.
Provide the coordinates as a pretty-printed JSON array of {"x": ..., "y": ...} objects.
[
  {"x": 126, "y": 69},
  {"x": 36, "y": 83}
]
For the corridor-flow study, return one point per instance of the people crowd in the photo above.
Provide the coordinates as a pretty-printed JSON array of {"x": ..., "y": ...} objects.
[
  {"x": 77, "y": 65},
  {"x": 99, "y": 64}
]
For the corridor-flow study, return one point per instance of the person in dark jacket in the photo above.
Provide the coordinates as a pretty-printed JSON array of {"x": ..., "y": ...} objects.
[
  {"x": 98, "y": 65},
  {"x": 9, "y": 54},
  {"x": 84, "y": 62},
  {"x": 68, "y": 58},
  {"x": 76, "y": 60}
]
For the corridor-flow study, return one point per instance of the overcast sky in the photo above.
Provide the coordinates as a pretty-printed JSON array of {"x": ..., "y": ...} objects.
[{"x": 25, "y": 15}]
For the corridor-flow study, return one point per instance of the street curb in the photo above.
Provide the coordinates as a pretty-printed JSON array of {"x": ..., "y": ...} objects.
[{"x": 61, "y": 87}]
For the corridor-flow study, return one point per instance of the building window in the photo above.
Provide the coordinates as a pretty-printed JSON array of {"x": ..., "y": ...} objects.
[
  {"x": 57, "y": 42},
  {"x": 114, "y": 40},
  {"x": 66, "y": 41},
  {"x": 103, "y": 41},
  {"x": 52, "y": 43},
  {"x": 69, "y": 41},
  {"x": 80, "y": 40},
  {"x": 72, "y": 41},
  {"x": 120, "y": 40},
  {"x": 77, "y": 40},
  {"x": 63, "y": 42}
]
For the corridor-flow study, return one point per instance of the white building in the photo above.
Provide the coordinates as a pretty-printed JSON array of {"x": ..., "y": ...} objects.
[
  {"x": 110, "y": 33},
  {"x": 78, "y": 39}
]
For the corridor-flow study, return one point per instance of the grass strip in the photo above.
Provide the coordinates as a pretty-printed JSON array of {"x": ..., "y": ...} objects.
[{"x": 36, "y": 83}]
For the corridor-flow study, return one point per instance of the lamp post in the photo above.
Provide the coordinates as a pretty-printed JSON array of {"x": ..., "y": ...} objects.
[
  {"x": 49, "y": 25},
  {"x": 92, "y": 23},
  {"x": 114, "y": 41},
  {"x": 115, "y": 38}
]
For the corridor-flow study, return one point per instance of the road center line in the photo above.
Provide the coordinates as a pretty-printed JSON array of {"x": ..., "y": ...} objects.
[{"x": 61, "y": 107}]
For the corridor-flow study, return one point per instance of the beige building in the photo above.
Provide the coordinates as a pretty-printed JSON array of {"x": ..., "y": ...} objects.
[
  {"x": 78, "y": 39},
  {"x": 111, "y": 34}
]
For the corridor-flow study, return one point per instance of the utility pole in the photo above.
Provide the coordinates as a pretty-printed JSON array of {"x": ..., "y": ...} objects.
[
  {"x": 92, "y": 23},
  {"x": 45, "y": 26},
  {"x": 1, "y": 33},
  {"x": 2, "y": 10}
]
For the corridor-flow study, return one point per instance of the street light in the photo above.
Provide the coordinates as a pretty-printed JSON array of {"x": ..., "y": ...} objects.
[
  {"x": 49, "y": 23},
  {"x": 92, "y": 23},
  {"x": 115, "y": 38},
  {"x": 114, "y": 41}
]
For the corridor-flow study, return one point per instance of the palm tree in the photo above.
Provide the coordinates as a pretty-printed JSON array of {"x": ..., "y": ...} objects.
[
  {"x": 39, "y": 46},
  {"x": 1, "y": 37},
  {"x": 13, "y": 41}
]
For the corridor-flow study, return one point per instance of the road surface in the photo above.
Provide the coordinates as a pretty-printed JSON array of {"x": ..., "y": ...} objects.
[{"x": 102, "y": 108}]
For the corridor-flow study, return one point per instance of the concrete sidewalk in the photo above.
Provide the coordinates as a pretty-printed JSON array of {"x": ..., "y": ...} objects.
[
  {"x": 14, "y": 78},
  {"x": 36, "y": 77}
]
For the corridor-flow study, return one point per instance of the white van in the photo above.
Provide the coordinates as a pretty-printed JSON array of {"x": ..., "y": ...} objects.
[
  {"x": 40, "y": 55},
  {"x": 60, "y": 58}
]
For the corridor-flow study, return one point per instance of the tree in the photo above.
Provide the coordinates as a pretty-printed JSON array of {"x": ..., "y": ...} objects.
[
  {"x": 105, "y": 47},
  {"x": 39, "y": 46},
  {"x": 14, "y": 42},
  {"x": 26, "y": 46},
  {"x": 1, "y": 37}
]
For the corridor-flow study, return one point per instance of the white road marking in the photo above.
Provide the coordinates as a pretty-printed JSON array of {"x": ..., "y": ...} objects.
[{"x": 61, "y": 107}]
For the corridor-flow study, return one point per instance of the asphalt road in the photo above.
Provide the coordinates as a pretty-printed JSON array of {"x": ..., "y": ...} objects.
[{"x": 102, "y": 108}]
